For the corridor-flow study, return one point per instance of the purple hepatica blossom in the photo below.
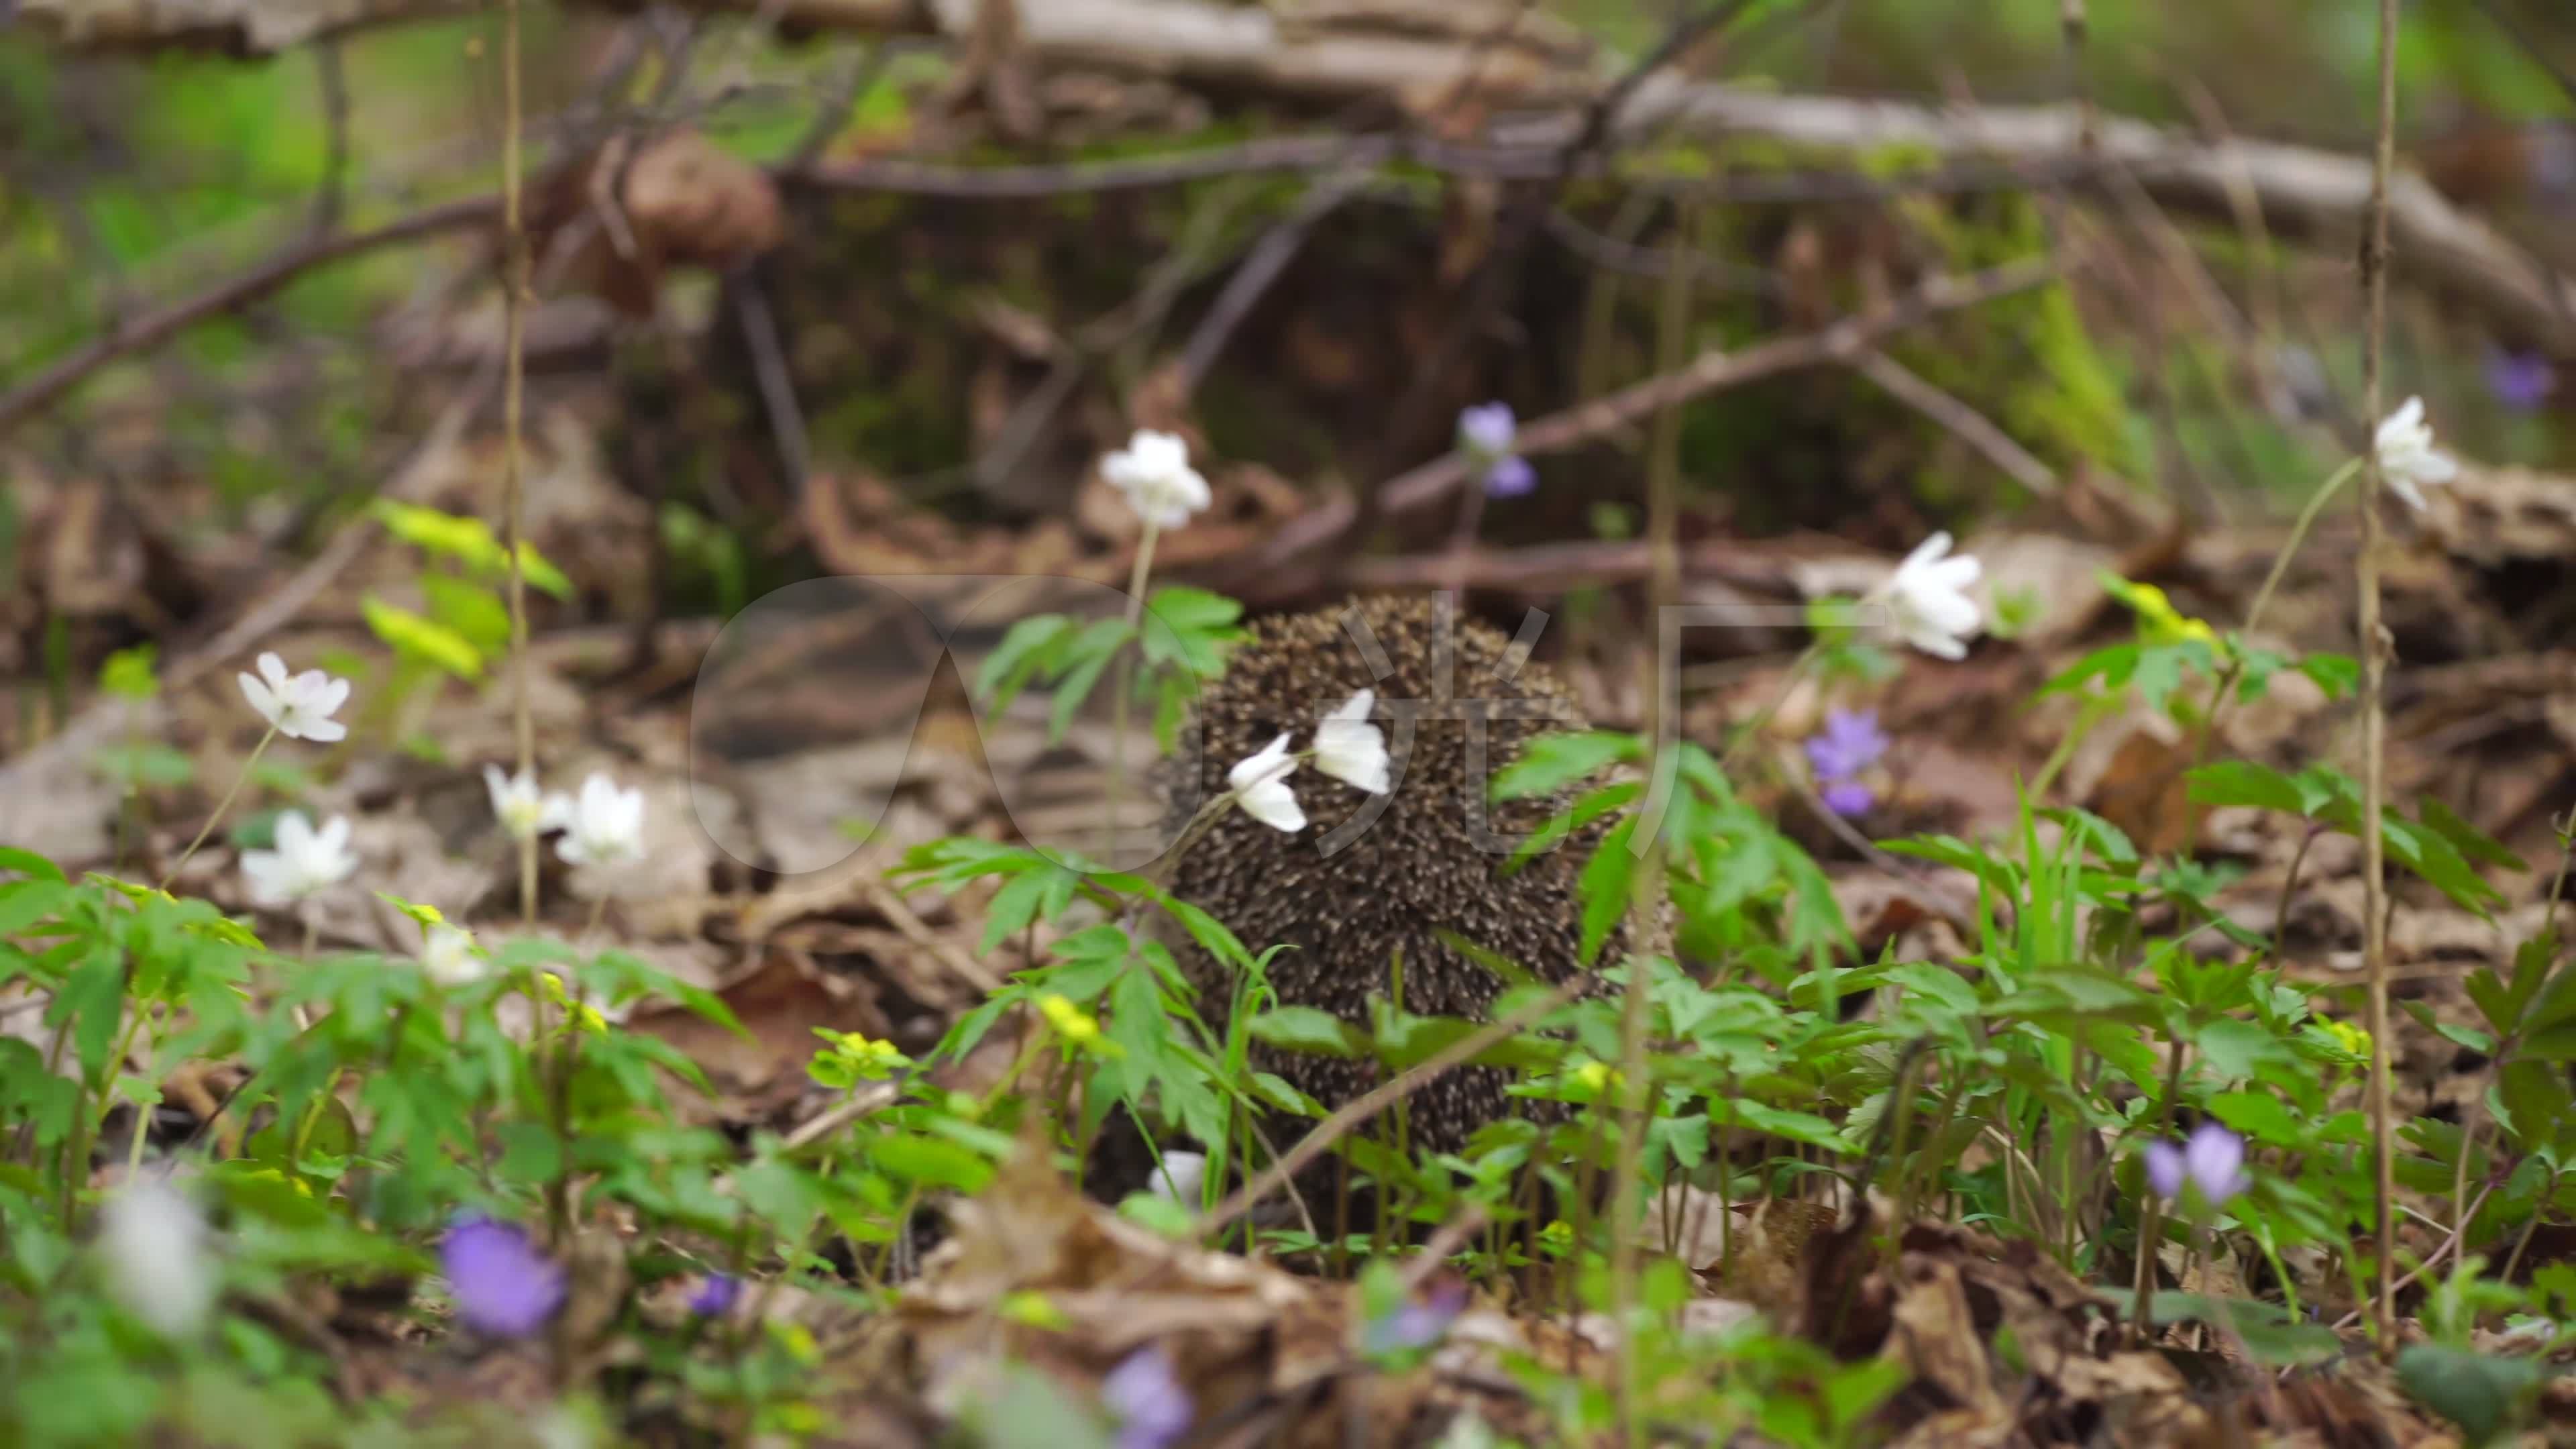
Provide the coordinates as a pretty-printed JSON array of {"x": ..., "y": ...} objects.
[
  {"x": 715, "y": 1297},
  {"x": 1417, "y": 1322},
  {"x": 1151, "y": 1407},
  {"x": 502, "y": 1285},
  {"x": 2521, "y": 381},
  {"x": 2212, "y": 1161},
  {"x": 1486, "y": 433},
  {"x": 1849, "y": 799},
  {"x": 1850, "y": 743}
]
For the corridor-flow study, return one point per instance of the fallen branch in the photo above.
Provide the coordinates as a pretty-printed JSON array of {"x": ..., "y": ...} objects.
[
  {"x": 1254, "y": 48},
  {"x": 1844, "y": 341},
  {"x": 1553, "y": 568},
  {"x": 154, "y": 328}
]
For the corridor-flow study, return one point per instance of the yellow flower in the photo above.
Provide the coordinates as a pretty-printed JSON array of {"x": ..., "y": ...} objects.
[
  {"x": 1594, "y": 1076},
  {"x": 2349, "y": 1037},
  {"x": 553, "y": 987},
  {"x": 865, "y": 1058},
  {"x": 2165, "y": 624},
  {"x": 1070, "y": 1021},
  {"x": 1033, "y": 1310}
]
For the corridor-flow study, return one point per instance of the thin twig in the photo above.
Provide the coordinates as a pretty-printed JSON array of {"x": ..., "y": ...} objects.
[
  {"x": 153, "y": 328},
  {"x": 330, "y": 195},
  {"x": 2374, "y": 714},
  {"x": 777, "y": 387},
  {"x": 1252, "y": 280},
  {"x": 1366, "y": 1106},
  {"x": 514, "y": 367},
  {"x": 1714, "y": 370},
  {"x": 1966, "y": 423}
]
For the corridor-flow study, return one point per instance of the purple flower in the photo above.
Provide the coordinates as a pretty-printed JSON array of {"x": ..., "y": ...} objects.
[
  {"x": 1417, "y": 1322},
  {"x": 1152, "y": 1408},
  {"x": 1849, "y": 799},
  {"x": 2521, "y": 381},
  {"x": 716, "y": 1296},
  {"x": 502, "y": 1285},
  {"x": 2212, "y": 1160},
  {"x": 1849, "y": 743},
  {"x": 1510, "y": 478},
  {"x": 1486, "y": 434}
]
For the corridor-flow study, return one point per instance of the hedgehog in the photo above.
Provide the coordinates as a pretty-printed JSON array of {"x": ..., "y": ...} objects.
[{"x": 1457, "y": 702}]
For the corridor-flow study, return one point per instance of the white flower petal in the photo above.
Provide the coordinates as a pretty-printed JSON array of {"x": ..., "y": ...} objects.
[
  {"x": 1350, "y": 749},
  {"x": 153, "y": 1245},
  {"x": 1273, "y": 804}
]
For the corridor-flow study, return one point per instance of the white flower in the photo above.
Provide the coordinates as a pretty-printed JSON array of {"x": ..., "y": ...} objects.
[
  {"x": 301, "y": 705},
  {"x": 1349, "y": 748},
  {"x": 2407, "y": 457},
  {"x": 1928, "y": 599},
  {"x": 447, "y": 956},
  {"x": 516, "y": 801},
  {"x": 605, "y": 826},
  {"x": 1179, "y": 1178},
  {"x": 305, "y": 860},
  {"x": 1154, "y": 471},
  {"x": 1261, "y": 785},
  {"x": 153, "y": 1245}
]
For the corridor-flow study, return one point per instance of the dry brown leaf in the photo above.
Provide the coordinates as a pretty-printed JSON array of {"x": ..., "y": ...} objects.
[{"x": 779, "y": 1000}]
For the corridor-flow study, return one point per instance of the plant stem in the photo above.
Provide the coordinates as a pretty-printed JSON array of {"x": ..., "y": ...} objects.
[
  {"x": 225, "y": 804},
  {"x": 2308, "y": 513},
  {"x": 1663, "y": 508},
  {"x": 514, "y": 300},
  {"x": 1124, "y": 685},
  {"x": 2374, "y": 715}
]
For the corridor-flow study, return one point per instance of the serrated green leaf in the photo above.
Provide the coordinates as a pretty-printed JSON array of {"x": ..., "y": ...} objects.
[
  {"x": 1552, "y": 761},
  {"x": 1026, "y": 647}
]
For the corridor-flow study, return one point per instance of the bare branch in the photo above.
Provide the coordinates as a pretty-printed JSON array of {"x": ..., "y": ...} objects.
[
  {"x": 154, "y": 328},
  {"x": 1969, "y": 425}
]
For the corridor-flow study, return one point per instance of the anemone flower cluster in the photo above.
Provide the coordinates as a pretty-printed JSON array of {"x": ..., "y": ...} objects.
[
  {"x": 2408, "y": 461},
  {"x": 304, "y": 862},
  {"x": 1927, "y": 599},
  {"x": 1153, "y": 472},
  {"x": 1347, "y": 747},
  {"x": 298, "y": 706}
]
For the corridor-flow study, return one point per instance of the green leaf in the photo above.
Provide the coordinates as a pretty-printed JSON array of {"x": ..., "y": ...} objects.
[
  {"x": 27, "y": 862},
  {"x": 1088, "y": 654},
  {"x": 2483, "y": 1393},
  {"x": 421, "y": 638},
  {"x": 92, "y": 999},
  {"x": 128, "y": 673},
  {"x": 2465, "y": 838},
  {"x": 1552, "y": 761},
  {"x": 1604, "y": 885},
  {"x": 1306, "y": 1029},
  {"x": 2243, "y": 782},
  {"x": 473, "y": 611},
  {"x": 2337, "y": 674},
  {"x": 25, "y": 902},
  {"x": 468, "y": 541},
  {"x": 1025, "y": 648},
  {"x": 2259, "y": 1116},
  {"x": 1192, "y": 628}
]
